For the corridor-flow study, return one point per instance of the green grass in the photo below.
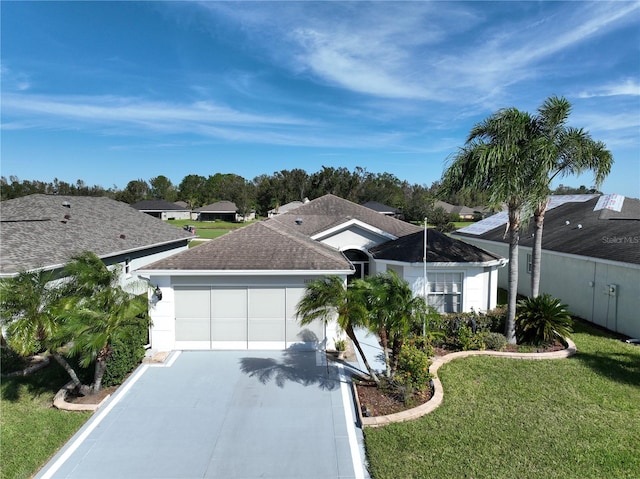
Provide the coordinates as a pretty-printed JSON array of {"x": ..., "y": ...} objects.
[
  {"x": 209, "y": 229},
  {"x": 462, "y": 224},
  {"x": 31, "y": 429},
  {"x": 506, "y": 418}
]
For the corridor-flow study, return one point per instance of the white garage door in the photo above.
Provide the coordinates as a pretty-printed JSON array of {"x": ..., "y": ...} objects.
[{"x": 241, "y": 318}]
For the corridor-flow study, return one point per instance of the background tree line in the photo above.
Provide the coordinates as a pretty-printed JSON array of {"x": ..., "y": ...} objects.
[{"x": 265, "y": 192}]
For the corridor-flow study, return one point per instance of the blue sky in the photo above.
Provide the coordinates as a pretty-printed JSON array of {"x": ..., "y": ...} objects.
[{"x": 109, "y": 92}]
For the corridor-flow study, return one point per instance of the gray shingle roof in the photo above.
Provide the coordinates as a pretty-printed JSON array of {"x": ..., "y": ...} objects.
[
  {"x": 329, "y": 211},
  {"x": 219, "y": 207},
  {"x": 38, "y": 231},
  {"x": 380, "y": 208},
  {"x": 440, "y": 249},
  {"x": 157, "y": 205},
  {"x": 259, "y": 246},
  {"x": 603, "y": 234}
]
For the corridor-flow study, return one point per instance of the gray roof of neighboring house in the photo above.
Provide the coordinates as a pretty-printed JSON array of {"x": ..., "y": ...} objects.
[
  {"x": 38, "y": 231},
  {"x": 259, "y": 246},
  {"x": 182, "y": 204},
  {"x": 330, "y": 211},
  {"x": 285, "y": 208},
  {"x": 157, "y": 205},
  {"x": 381, "y": 208},
  {"x": 604, "y": 233},
  {"x": 219, "y": 207},
  {"x": 440, "y": 249}
]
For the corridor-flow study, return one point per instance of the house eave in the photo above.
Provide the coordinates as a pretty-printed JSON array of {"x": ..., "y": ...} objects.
[{"x": 242, "y": 272}]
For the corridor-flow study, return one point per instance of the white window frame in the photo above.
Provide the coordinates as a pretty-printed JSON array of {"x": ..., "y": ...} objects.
[{"x": 449, "y": 288}]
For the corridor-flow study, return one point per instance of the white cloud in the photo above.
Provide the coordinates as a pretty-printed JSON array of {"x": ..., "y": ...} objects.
[{"x": 629, "y": 87}]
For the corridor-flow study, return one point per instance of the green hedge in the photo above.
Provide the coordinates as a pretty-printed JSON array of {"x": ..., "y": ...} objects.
[{"x": 127, "y": 353}]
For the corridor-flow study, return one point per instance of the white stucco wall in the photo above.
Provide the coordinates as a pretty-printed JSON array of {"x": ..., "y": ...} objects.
[
  {"x": 582, "y": 283},
  {"x": 479, "y": 288}
]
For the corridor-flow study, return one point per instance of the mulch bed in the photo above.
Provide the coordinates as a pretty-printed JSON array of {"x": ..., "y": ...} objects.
[
  {"x": 379, "y": 402},
  {"x": 93, "y": 398}
]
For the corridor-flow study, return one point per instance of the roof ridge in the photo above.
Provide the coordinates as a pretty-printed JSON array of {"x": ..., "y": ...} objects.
[{"x": 302, "y": 239}]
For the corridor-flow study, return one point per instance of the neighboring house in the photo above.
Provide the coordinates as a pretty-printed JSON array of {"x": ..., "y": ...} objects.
[
  {"x": 45, "y": 231},
  {"x": 278, "y": 210},
  {"x": 219, "y": 211},
  {"x": 464, "y": 212},
  {"x": 163, "y": 210},
  {"x": 590, "y": 256},
  {"x": 241, "y": 290},
  {"x": 383, "y": 209}
]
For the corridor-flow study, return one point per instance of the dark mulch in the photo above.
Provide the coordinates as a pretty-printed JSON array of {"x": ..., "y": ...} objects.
[
  {"x": 379, "y": 402},
  {"x": 93, "y": 398}
]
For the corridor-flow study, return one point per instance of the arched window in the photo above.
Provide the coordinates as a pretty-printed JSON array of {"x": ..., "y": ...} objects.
[{"x": 360, "y": 261}]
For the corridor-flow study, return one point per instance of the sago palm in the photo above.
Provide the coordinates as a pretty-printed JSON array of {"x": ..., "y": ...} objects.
[{"x": 542, "y": 320}]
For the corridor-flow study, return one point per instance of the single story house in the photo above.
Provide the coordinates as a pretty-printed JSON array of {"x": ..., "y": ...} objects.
[
  {"x": 44, "y": 231},
  {"x": 163, "y": 210},
  {"x": 241, "y": 290},
  {"x": 590, "y": 256},
  {"x": 383, "y": 209},
  {"x": 219, "y": 211},
  {"x": 464, "y": 212},
  {"x": 278, "y": 210}
]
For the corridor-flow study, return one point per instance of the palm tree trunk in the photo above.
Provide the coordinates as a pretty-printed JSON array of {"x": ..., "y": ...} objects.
[
  {"x": 72, "y": 374},
  {"x": 536, "y": 253},
  {"x": 514, "y": 238},
  {"x": 352, "y": 335},
  {"x": 100, "y": 368},
  {"x": 384, "y": 342},
  {"x": 397, "y": 347}
]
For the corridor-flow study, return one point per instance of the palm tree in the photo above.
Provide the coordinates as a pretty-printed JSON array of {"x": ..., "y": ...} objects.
[
  {"x": 97, "y": 311},
  {"x": 496, "y": 158},
  {"x": 564, "y": 151},
  {"x": 327, "y": 298},
  {"x": 30, "y": 305},
  {"x": 393, "y": 312}
]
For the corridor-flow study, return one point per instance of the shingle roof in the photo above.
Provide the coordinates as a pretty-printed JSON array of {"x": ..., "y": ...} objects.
[
  {"x": 219, "y": 207},
  {"x": 38, "y": 231},
  {"x": 603, "y": 234},
  {"x": 259, "y": 246},
  {"x": 330, "y": 211},
  {"x": 440, "y": 249},
  {"x": 380, "y": 208},
  {"x": 157, "y": 205}
]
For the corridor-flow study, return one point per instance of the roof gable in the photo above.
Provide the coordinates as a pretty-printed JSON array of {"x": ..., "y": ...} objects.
[{"x": 259, "y": 246}]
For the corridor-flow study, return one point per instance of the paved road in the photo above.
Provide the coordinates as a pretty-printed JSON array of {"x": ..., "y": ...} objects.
[{"x": 222, "y": 414}]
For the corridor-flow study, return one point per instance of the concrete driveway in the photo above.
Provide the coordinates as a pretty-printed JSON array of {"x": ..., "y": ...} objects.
[{"x": 222, "y": 414}]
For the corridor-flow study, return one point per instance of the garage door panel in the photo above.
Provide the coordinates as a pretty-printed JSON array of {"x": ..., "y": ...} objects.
[
  {"x": 295, "y": 332},
  {"x": 192, "y": 314},
  {"x": 193, "y": 329},
  {"x": 229, "y": 314},
  {"x": 266, "y": 314}
]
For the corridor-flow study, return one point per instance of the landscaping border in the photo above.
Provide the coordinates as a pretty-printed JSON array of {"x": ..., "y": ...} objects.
[{"x": 438, "y": 393}]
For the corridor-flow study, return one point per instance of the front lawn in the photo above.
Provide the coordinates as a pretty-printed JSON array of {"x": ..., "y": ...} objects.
[
  {"x": 576, "y": 417},
  {"x": 31, "y": 429},
  {"x": 209, "y": 229}
]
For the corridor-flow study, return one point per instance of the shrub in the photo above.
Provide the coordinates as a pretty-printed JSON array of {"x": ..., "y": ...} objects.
[
  {"x": 493, "y": 341},
  {"x": 413, "y": 367},
  {"x": 127, "y": 353},
  {"x": 541, "y": 320},
  {"x": 466, "y": 340},
  {"x": 10, "y": 361}
]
